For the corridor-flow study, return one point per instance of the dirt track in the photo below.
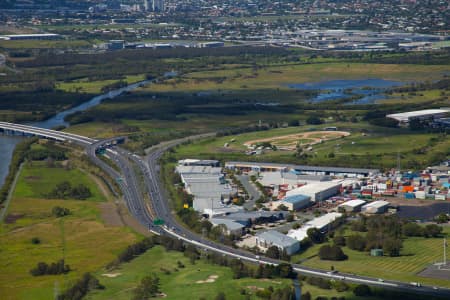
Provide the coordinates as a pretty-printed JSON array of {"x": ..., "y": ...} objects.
[{"x": 289, "y": 142}]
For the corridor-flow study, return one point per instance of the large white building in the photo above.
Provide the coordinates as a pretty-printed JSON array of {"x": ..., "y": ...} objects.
[
  {"x": 376, "y": 207},
  {"x": 322, "y": 223},
  {"x": 352, "y": 205},
  {"x": 318, "y": 191},
  {"x": 406, "y": 117}
]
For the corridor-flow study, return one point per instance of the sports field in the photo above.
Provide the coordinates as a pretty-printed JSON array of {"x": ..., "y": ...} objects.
[{"x": 290, "y": 141}]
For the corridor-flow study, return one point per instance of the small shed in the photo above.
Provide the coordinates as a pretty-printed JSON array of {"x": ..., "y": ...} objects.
[{"x": 376, "y": 252}]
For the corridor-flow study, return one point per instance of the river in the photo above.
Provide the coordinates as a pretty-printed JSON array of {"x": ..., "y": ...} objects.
[{"x": 8, "y": 143}]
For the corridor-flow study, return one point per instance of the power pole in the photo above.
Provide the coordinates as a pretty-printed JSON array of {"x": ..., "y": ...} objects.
[{"x": 398, "y": 161}]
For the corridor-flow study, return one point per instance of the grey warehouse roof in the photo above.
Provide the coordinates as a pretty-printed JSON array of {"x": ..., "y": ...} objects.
[
  {"x": 305, "y": 168},
  {"x": 276, "y": 238}
]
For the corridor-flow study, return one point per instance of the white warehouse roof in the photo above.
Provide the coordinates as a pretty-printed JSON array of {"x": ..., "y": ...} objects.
[
  {"x": 324, "y": 220},
  {"x": 377, "y": 204},
  {"x": 313, "y": 188},
  {"x": 404, "y": 117},
  {"x": 353, "y": 203}
]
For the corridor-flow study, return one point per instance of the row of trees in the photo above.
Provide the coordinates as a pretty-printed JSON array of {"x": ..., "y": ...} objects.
[{"x": 43, "y": 268}]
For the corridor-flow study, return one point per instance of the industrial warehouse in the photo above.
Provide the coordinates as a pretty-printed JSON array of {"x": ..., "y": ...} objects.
[{"x": 290, "y": 193}]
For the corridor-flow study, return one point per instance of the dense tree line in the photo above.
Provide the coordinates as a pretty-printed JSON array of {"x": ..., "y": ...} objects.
[
  {"x": 148, "y": 55},
  {"x": 49, "y": 151},
  {"x": 65, "y": 190},
  {"x": 42, "y": 103},
  {"x": 383, "y": 232},
  {"x": 43, "y": 268}
]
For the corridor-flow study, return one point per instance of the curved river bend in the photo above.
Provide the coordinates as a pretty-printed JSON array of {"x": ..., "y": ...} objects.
[{"x": 8, "y": 143}]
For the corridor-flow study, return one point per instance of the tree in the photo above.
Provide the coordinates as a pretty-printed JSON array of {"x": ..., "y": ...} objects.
[
  {"x": 356, "y": 242},
  {"x": 220, "y": 296},
  {"x": 315, "y": 235},
  {"x": 442, "y": 218},
  {"x": 412, "y": 229},
  {"x": 362, "y": 290},
  {"x": 432, "y": 230},
  {"x": 339, "y": 240},
  {"x": 314, "y": 120},
  {"x": 327, "y": 252},
  {"x": 149, "y": 287},
  {"x": 392, "y": 246},
  {"x": 273, "y": 252},
  {"x": 306, "y": 296}
]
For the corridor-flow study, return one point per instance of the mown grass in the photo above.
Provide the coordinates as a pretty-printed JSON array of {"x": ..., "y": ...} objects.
[
  {"x": 81, "y": 238},
  {"x": 37, "y": 180},
  {"x": 182, "y": 282},
  {"x": 417, "y": 254}
]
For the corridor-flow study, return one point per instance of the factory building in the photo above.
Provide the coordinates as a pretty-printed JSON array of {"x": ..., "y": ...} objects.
[
  {"x": 296, "y": 202},
  {"x": 232, "y": 227},
  {"x": 299, "y": 169},
  {"x": 405, "y": 117},
  {"x": 36, "y": 36},
  {"x": 352, "y": 205},
  {"x": 323, "y": 223},
  {"x": 376, "y": 207},
  {"x": 270, "y": 238},
  {"x": 317, "y": 191}
]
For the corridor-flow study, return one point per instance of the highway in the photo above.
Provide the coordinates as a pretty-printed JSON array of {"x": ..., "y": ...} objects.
[{"x": 158, "y": 207}]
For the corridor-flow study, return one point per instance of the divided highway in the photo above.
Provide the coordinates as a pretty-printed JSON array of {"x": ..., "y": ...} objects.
[{"x": 158, "y": 207}]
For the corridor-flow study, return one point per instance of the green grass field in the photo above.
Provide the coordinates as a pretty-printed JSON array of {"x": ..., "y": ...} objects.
[
  {"x": 183, "y": 281},
  {"x": 88, "y": 243},
  {"x": 179, "y": 284},
  {"x": 37, "y": 180},
  {"x": 417, "y": 254}
]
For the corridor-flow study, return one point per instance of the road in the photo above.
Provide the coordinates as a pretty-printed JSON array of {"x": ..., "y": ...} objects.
[
  {"x": 158, "y": 207},
  {"x": 251, "y": 189}
]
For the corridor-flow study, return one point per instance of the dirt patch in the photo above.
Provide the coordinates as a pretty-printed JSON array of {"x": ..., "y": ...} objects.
[
  {"x": 210, "y": 279},
  {"x": 271, "y": 281},
  {"x": 109, "y": 214},
  {"x": 289, "y": 142},
  {"x": 112, "y": 275},
  {"x": 254, "y": 288},
  {"x": 12, "y": 218},
  {"x": 32, "y": 178}
]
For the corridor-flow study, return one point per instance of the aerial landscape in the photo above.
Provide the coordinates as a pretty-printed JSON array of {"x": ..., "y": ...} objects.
[{"x": 160, "y": 149}]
